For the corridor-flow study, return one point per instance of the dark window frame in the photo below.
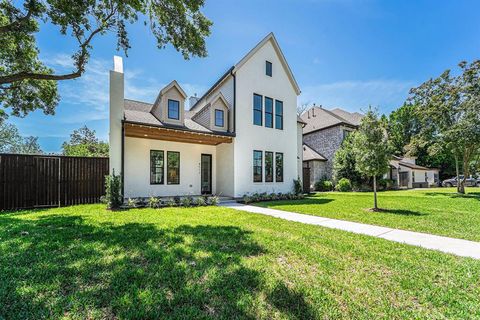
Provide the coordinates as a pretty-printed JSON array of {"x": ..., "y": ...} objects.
[
  {"x": 168, "y": 168},
  {"x": 258, "y": 111},
  {"x": 223, "y": 117},
  {"x": 268, "y": 114},
  {"x": 255, "y": 178},
  {"x": 269, "y": 178},
  {"x": 178, "y": 109},
  {"x": 279, "y": 178},
  {"x": 152, "y": 180},
  {"x": 268, "y": 68},
  {"x": 279, "y": 116}
]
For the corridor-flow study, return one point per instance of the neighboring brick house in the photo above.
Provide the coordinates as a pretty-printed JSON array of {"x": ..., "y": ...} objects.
[{"x": 323, "y": 135}]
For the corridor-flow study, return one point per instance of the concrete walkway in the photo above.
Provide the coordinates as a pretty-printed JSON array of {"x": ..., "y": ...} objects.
[{"x": 459, "y": 247}]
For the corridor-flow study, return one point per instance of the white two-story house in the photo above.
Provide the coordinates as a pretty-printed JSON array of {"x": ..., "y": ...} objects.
[{"x": 241, "y": 136}]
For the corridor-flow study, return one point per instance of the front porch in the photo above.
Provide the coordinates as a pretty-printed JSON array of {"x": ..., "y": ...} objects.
[{"x": 167, "y": 162}]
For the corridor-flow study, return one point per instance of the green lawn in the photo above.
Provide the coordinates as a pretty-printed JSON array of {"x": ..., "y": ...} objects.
[
  {"x": 439, "y": 211},
  {"x": 200, "y": 263}
]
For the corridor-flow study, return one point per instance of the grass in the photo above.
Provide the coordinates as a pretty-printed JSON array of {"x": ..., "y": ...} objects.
[
  {"x": 439, "y": 211},
  {"x": 201, "y": 263}
]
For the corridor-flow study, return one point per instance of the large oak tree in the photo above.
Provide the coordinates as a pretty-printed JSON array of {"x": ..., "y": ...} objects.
[{"x": 27, "y": 84}]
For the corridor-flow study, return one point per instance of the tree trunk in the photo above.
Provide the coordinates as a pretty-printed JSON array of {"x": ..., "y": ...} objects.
[
  {"x": 375, "y": 193},
  {"x": 460, "y": 184}
]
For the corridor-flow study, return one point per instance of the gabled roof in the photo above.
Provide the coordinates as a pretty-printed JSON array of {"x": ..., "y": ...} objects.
[
  {"x": 318, "y": 118},
  {"x": 140, "y": 113},
  {"x": 270, "y": 37},
  {"x": 233, "y": 69},
  {"x": 310, "y": 154},
  {"x": 175, "y": 84}
]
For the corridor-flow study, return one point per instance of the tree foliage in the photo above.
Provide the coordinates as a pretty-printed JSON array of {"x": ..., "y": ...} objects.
[
  {"x": 449, "y": 110},
  {"x": 27, "y": 84},
  {"x": 370, "y": 148},
  {"x": 344, "y": 163},
  {"x": 12, "y": 142},
  {"x": 84, "y": 143}
]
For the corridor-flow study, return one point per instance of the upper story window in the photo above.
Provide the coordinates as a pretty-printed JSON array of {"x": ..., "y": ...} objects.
[
  {"x": 173, "y": 109},
  {"x": 268, "y": 68},
  {"x": 346, "y": 133},
  {"x": 278, "y": 114},
  {"x": 268, "y": 112},
  {"x": 156, "y": 166},
  {"x": 219, "y": 118},
  {"x": 257, "y": 109}
]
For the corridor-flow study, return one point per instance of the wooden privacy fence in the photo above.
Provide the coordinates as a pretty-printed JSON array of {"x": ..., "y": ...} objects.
[{"x": 31, "y": 181}]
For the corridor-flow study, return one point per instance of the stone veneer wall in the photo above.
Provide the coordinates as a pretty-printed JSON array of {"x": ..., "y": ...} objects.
[{"x": 326, "y": 142}]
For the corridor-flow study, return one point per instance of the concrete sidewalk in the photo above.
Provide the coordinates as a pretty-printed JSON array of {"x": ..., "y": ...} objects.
[{"x": 459, "y": 247}]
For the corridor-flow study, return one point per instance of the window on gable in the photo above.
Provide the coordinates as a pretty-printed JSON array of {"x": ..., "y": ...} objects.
[
  {"x": 268, "y": 112},
  {"x": 268, "y": 68},
  {"x": 278, "y": 114},
  {"x": 257, "y": 109},
  {"x": 268, "y": 166},
  {"x": 257, "y": 166},
  {"x": 173, "y": 167},
  {"x": 279, "y": 167},
  {"x": 156, "y": 166},
  {"x": 173, "y": 109},
  {"x": 219, "y": 118}
]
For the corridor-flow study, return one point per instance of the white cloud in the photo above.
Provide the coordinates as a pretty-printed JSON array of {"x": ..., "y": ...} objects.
[{"x": 357, "y": 95}]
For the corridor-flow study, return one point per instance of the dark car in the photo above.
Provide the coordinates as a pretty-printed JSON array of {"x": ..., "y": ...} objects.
[{"x": 470, "y": 182}]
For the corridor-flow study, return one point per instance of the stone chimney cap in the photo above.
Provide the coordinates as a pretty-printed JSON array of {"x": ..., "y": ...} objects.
[{"x": 118, "y": 64}]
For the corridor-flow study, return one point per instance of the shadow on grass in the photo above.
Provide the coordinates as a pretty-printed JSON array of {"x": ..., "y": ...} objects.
[
  {"x": 470, "y": 195},
  {"x": 59, "y": 266},
  {"x": 400, "y": 212},
  {"x": 292, "y": 303}
]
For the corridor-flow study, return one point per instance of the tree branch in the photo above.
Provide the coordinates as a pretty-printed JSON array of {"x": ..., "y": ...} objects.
[
  {"x": 80, "y": 63},
  {"x": 13, "y": 25}
]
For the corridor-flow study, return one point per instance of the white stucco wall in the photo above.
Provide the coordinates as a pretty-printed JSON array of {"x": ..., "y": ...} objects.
[
  {"x": 116, "y": 117},
  {"x": 250, "y": 79},
  {"x": 137, "y": 168},
  {"x": 300, "y": 150},
  {"x": 225, "y": 173}
]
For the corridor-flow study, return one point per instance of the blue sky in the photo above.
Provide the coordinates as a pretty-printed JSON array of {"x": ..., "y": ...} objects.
[{"x": 344, "y": 53}]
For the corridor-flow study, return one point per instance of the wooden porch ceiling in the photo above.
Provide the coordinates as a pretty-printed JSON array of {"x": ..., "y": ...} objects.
[{"x": 168, "y": 134}]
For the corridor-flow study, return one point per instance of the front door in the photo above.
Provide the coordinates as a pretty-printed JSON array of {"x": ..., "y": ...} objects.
[{"x": 206, "y": 174}]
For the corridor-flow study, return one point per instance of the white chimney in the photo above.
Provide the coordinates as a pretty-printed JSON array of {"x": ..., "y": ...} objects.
[
  {"x": 192, "y": 100},
  {"x": 116, "y": 114}
]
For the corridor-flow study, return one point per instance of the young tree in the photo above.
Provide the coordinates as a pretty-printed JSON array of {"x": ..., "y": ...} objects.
[
  {"x": 449, "y": 110},
  {"x": 370, "y": 149},
  {"x": 84, "y": 143},
  {"x": 27, "y": 84}
]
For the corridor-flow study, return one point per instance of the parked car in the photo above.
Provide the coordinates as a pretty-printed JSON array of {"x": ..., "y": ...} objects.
[{"x": 452, "y": 182}]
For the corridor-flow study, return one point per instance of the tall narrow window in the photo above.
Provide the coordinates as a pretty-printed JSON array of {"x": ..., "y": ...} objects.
[
  {"x": 268, "y": 166},
  {"x": 268, "y": 112},
  {"x": 268, "y": 68},
  {"x": 156, "y": 166},
  {"x": 279, "y": 167},
  {"x": 219, "y": 118},
  {"x": 278, "y": 114},
  {"x": 173, "y": 167},
  {"x": 173, "y": 109},
  {"x": 257, "y": 109},
  {"x": 413, "y": 176},
  {"x": 257, "y": 166}
]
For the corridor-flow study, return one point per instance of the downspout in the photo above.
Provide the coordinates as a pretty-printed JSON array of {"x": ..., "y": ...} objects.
[
  {"x": 234, "y": 101},
  {"x": 123, "y": 159}
]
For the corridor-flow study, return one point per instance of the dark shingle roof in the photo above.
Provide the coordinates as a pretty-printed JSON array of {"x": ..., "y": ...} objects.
[
  {"x": 139, "y": 112},
  {"x": 318, "y": 118},
  {"x": 310, "y": 154}
]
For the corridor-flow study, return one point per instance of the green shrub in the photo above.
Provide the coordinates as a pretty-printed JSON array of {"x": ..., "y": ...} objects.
[
  {"x": 247, "y": 199},
  {"x": 186, "y": 202},
  {"x": 344, "y": 185},
  {"x": 297, "y": 186},
  {"x": 213, "y": 200},
  {"x": 113, "y": 191},
  {"x": 200, "y": 201},
  {"x": 132, "y": 203},
  {"x": 153, "y": 202},
  {"x": 323, "y": 185}
]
